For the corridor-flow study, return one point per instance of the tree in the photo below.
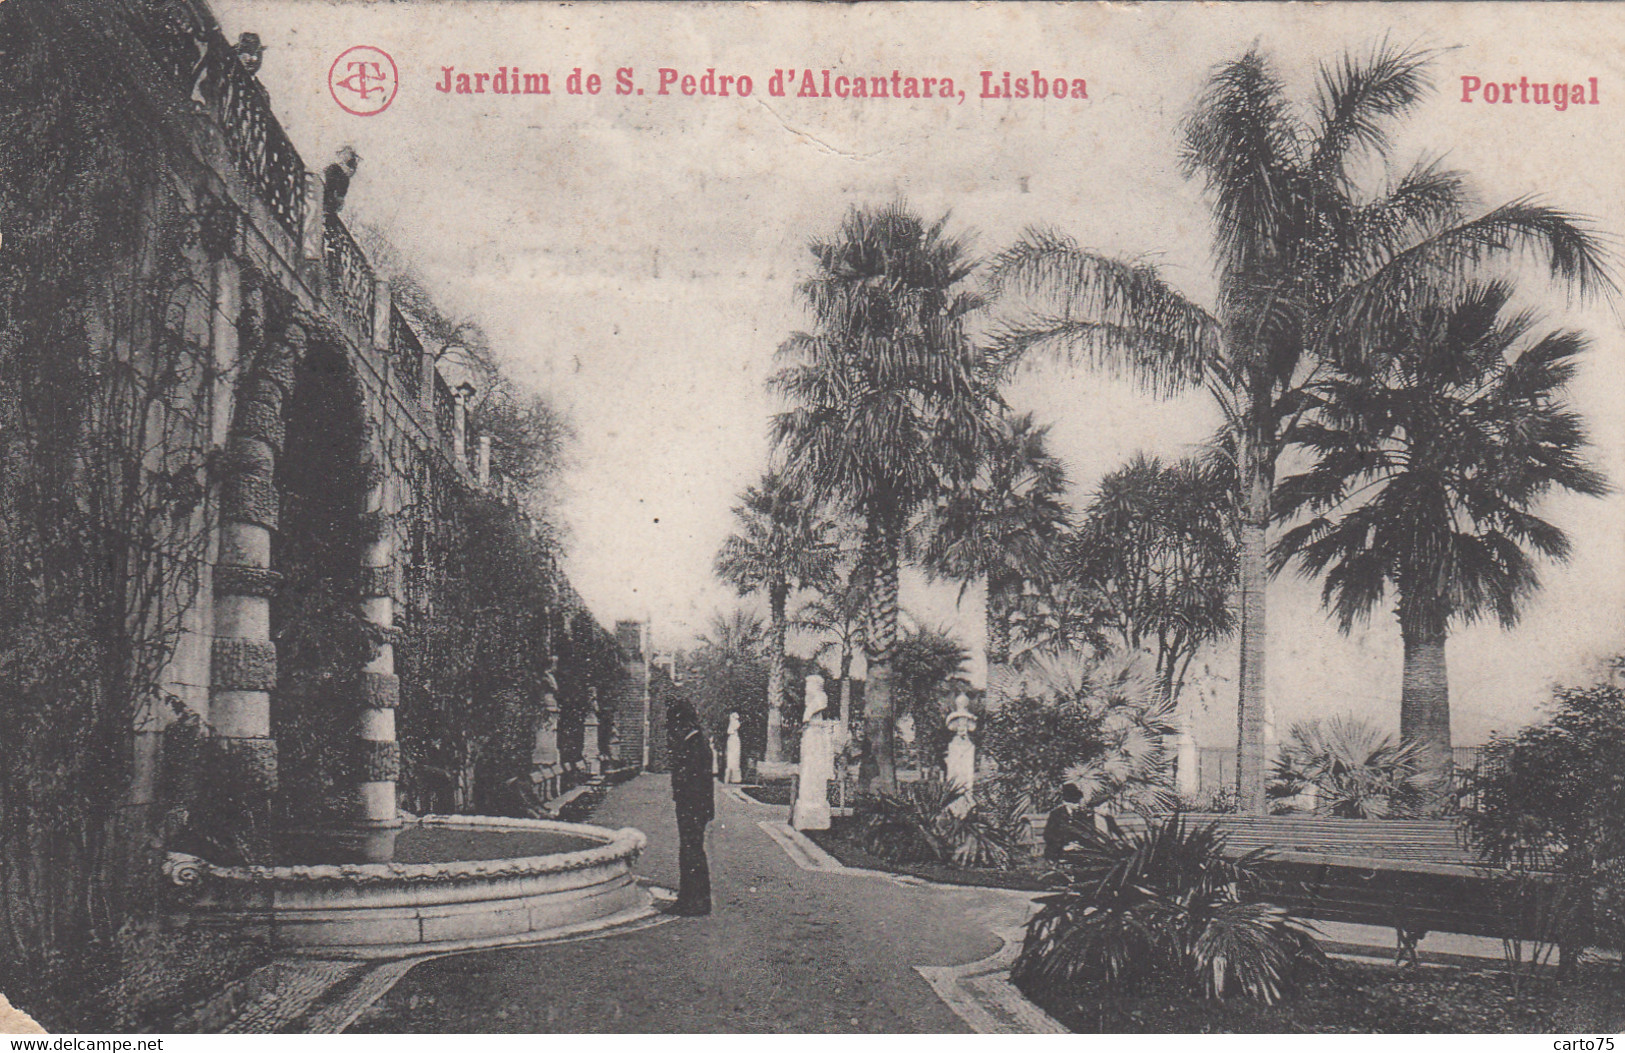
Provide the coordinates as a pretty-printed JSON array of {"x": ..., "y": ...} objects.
[
  {"x": 889, "y": 401},
  {"x": 728, "y": 673},
  {"x": 929, "y": 667},
  {"x": 1428, "y": 461},
  {"x": 1005, "y": 526},
  {"x": 1157, "y": 552},
  {"x": 837, "y": 617},
  {"x": 1312, "y": 268},
  {"x": 783, "y": 543},
  {"x": 530, "y": 439}
]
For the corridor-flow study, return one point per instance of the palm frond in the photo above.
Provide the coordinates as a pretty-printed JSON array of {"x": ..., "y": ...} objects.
[{"x": 1106, "y": 312}]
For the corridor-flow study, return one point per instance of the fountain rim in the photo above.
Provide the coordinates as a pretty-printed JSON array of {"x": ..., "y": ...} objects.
[{"x": 622, "y": 845}]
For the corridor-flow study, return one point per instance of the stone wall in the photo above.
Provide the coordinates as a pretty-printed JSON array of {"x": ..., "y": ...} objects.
[{"x": 632, "y": 717}]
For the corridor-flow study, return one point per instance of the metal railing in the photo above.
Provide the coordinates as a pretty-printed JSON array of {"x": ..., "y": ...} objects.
[
  {"x": 445, "y": 409},
  {"x": 200, "y": 61},
  {"x": 407, "y": 351},
  {"x": 350, "y": 278}
]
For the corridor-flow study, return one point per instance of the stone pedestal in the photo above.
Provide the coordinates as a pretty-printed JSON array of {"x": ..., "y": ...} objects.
[
  {"x": 818, "y": 747},
  {"x": 590, "y": 750},
  {"x": 811, "y": 811},
  {"x": 961, "y": 760},
  {"x": 731, "y": 769}
]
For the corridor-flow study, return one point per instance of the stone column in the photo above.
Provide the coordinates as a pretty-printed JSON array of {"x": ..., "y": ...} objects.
[
  {"x": 632, "y": 709},
  {"x": 378, "y": 756},
  {"x": 242, "y": 670},
  {"x": 483, "y": 463}
]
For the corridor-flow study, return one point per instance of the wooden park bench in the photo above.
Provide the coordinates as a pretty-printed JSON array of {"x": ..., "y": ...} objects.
[{"x": 1416, "y": 875}]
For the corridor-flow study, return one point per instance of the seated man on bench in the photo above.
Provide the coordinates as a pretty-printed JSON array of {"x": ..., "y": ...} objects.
[{"x": 1068, "y": 826}]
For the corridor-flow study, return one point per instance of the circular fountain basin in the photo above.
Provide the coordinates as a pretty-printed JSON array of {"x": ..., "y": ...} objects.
[{"x": 456, "y": 882}]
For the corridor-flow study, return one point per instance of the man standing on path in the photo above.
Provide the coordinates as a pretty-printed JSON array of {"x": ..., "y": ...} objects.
[{"x": 691, "y": 789}]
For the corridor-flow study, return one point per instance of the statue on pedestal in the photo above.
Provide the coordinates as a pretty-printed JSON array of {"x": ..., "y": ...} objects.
[
  {"x": 591, "y": 748},
  {"x": 820, "y": 739},
  {"x": 732, "y": 773},
  {"x": 962, "y": 754}
]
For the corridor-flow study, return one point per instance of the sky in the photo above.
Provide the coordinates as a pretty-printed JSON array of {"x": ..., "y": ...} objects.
[{"x": 635, "y": 256}]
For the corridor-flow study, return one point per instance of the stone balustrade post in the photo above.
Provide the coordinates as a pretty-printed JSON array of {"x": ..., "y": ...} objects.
[
  {"x": 483, "y": 469},
  {"x": 459, "y": 427},
  {"x": 313, "y": 245}
]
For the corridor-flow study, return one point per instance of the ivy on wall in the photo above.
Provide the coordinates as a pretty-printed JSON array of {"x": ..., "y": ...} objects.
[{"x": 103, "y": 473}]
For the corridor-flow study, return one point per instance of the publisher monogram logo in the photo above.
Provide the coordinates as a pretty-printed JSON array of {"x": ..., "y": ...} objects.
[{"x": 363, "y": 80}]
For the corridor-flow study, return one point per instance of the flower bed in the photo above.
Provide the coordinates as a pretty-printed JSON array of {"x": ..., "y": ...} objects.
[
  {"x": 839, "y": 842},
  {"x": 777, "y": 792}
]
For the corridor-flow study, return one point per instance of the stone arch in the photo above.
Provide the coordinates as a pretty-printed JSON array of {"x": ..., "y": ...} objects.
[{"x": 293, "y": 358}]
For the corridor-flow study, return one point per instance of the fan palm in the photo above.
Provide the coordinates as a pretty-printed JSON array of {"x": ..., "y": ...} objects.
[
  {"x": 888, "y": 404},
  {"x": 1356, "y": 771},
  {"x": 1006, "y": 527},
  {"x": 836, "y": 616},
  {"x": 783, "y": 543},
  {"x": 1428, "y": 462},
  {"x": 1312, "y": 267},
  {"x": 1131, "y": 769}
]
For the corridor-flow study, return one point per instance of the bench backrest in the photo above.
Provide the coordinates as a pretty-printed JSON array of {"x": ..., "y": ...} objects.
[{"x": 1437, "y": 841}]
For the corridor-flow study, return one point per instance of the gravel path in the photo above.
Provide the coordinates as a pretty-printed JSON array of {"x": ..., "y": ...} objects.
[{"x": 785, "y": 950}]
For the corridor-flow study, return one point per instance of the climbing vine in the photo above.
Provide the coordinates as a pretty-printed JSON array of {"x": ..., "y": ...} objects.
[{"x": 103, "y": 474}]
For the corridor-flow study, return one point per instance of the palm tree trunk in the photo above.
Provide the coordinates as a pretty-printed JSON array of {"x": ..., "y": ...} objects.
[
  {"x": 998, "y": 644},
  {"x": 1250, "y": 702},
  {"x": 777, "y": 594},
  {"x": 1424, "y": 694},
  {"x": 846, "y": 686},
  {"x": 881, "y": 761}
]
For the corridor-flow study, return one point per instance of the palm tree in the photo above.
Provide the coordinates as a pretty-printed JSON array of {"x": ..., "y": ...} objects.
[
  {"x": 783, "y": 543},
  {"x": 837, "y": 617},
  {"x": 1312, "y": 268},
  {"x": 888, "y": 403},
  {"x": 1131, "y": 768},
  {"x": 727, "y": 672},
  {"x": 1005, "y": 526},
  {"x": 1156, "y": 551},
  {"x": 1354, "y": 770},
  {"x": 1428, "y": 462}
]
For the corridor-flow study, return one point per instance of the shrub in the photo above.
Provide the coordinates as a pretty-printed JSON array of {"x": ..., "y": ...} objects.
[
  {"x": 920, "y": 825},
  {"x": 1161, "y": 907},
  {"x": 1549, "y": 814},
  {"x": 1100, "y": 724}
]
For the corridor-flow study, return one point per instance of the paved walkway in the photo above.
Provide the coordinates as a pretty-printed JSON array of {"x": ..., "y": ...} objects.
[{"x": 787, "y": 949}]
